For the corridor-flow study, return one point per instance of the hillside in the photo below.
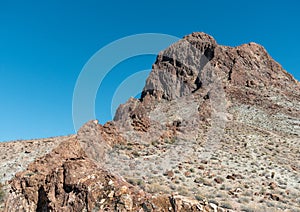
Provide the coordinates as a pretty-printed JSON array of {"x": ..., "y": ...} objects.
[{"x": 217, "y": 129}]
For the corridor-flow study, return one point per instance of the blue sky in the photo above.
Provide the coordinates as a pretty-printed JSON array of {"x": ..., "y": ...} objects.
[{"x": 45, "y": 44}]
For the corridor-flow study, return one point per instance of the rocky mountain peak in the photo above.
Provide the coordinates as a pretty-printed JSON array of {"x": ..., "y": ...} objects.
[
  {"x": 178, "y": 69},
  {"x": 217, "y": 129},
  {"x": 200, "y": 38}
]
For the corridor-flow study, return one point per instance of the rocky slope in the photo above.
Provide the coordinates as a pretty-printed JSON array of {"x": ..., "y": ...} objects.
[{"x": 217, "y": 129}]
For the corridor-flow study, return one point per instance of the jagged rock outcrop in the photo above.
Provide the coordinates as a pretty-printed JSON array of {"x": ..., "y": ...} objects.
[
  {"x": 67, "y": 180},
  {"x": 217, "y": 129}
]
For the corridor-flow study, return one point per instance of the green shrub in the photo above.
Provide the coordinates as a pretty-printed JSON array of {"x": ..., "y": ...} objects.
[
  {"x": 244, "y": 200},
  {"x": 199, "y": 197},
  {"x": 226, "y": 205},
  {"x": 182, "y": 191},
  {"x": 157, "y": 187},
  {"x": 1, "y": 193},
  {"x": 192, "y": 170},
  {"x": 247, "y": 209}
]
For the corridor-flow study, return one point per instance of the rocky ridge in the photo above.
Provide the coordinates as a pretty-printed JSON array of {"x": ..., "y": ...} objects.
[{"x": 217, "y": 129}]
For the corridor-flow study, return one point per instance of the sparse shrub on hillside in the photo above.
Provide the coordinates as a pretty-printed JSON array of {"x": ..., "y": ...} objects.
[
  {"x": 192, "y": 170},
  {"x": 243, "y": 200},
  {"x": 136, "y": 181},
  {"x": 155, "y": 143},
  {"x": 214, "y": 202},
  {"x": 1, "y": 193},
  {"x": 262, "y": 191},
  {"x": 247, "y": 209},
  {"x": 226, "y": 205},
  {"x": 247, "y": 193},
  {"x": 222, "y": 187},
  {"x": 219, "y": 180},
  {"x": 199, "y": 197},
  {"x": 183, "y": 191},
  {"x": 156, "y": 188}
]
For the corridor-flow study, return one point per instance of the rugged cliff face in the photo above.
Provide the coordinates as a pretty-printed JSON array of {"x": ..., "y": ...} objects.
[{"x": 217, "y": 129}]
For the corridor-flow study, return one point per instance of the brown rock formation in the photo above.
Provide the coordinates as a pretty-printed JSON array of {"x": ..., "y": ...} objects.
[{"x": 216, "y": 128}]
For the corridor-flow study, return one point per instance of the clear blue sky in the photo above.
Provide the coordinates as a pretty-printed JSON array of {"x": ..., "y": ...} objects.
[{"x": 45, "y": 44}]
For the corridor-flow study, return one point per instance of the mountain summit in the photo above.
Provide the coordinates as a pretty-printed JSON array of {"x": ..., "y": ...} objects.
[{"x": 217, "y": 128}]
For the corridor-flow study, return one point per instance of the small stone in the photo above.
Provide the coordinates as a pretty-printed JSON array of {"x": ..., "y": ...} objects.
[
  {"x": 199, "y": 180},
  {"x": 187, "y": 174},
  {"x": 169, "y": 174},
  {"x": 221, "y": 210},
  {"x": 275, "y": 197},
  {"x": 273, "y": 185},
  {"x": 102, "y": 201},
  {"x": 155, "y": 172},
  {"x": 237, "y": 176},
  {"x": 230, "y": 177},
  {"x": 206, "y": 208},
  {"x": 204, "y": 161},
  {"x": 201, "y": 167},
  {"x": 111, "y": 194},
  {"x": 213, "y": 206},
  {"x": 127, "y": 201},
  {"x": 238, "y": 190},
  {"x": 219, "y": 180},
  {"x": 123, "y": 190},
  {"x": 200, "y": 207}
]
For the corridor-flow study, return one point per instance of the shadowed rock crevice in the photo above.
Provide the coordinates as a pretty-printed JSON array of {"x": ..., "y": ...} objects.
[{"x": 43, "y": 201}]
